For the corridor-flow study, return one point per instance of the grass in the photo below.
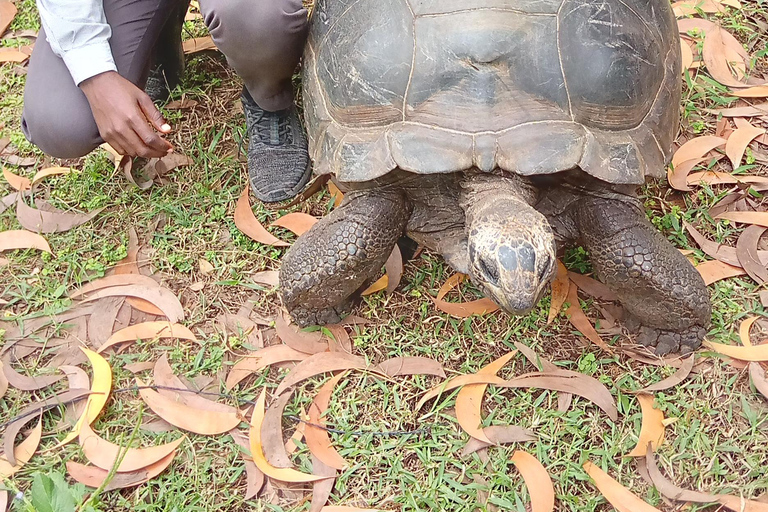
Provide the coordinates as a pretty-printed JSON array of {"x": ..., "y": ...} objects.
[{"x": 717, "y": 443}]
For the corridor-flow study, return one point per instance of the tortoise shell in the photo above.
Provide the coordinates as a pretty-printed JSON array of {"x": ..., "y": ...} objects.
[{"x": 529, "y": 86}]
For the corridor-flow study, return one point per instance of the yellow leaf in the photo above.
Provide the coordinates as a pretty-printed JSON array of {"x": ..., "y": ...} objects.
[{"x": 618, "y": 495}]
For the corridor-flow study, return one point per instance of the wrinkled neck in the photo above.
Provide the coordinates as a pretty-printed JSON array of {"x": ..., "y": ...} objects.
[{"x": 481, "y": 193}]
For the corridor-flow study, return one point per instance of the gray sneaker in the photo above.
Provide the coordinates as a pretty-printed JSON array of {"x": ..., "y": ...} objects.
[{"x": 278, "y": 158}]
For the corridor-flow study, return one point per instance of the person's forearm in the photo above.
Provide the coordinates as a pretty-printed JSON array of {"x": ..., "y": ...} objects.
[{"x": 78, "y": 32}]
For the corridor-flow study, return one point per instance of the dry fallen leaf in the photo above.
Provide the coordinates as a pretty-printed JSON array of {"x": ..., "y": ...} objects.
[
  {"x": 24, "y": 382},
  {"x": 93, "y": 476},
  {"x": 254, "y": 477},
  {"x": 282, "y": 474},
  {"x": 592, "y": 287},
  {"x": 714, "y": 270},
  {"x": 721, "y": 252},
  {"x": 198, "y": 44},
  {"x": 760, "y": 91},
  {"x": 738, "y": 142},
  {"x": 381, "y": 283},
  {"x": 394, "y": 269},
  {"x": 563, "y": 399},
  {"x": 12, "y": 55},
  {"x": 317, "y": 439},
  {"x": 758, "y": 218},
  {"x": 560, "y": 287},
  {"x": 172, "y": 387},
  {"x": 537, "y": 480},
  {"x": 161, "y": 297},
  {"x": 751, "y": 353},
  {"x": 298, "y": 223},
  {"x": 246, "y": 222},
  {"x": 303, "y": 341},
  {"x": 716, "y": 53},
  {"x": 748, "y": 255},
  {"x": 185, "y": 417},
  {"x": 44, "y": 221},
  {"x": 652, "y": 428},
  {"x": 580, "y": 321},
  {"x": 398, "y": 366},
  {"x": 16, "y": 182},
  {"x": 697, "y": 148},
  {"x": 22, "y": 453},
  {"x": 498, "y": 434},
  {"x": 616, "y": 494},
  {"x": 50, "y": 171},
  {"x": 261, "y": 359},
  {"x": 149, "y": 331},
  {"x": 7, "y": 13},
  {"x": 462, "y": 309},
  {"x": 673, "y": 380},
  {"x": 469, "y": 400},
  {"x": 456, "y": 382},
  {"x": 321, "y": 363}
]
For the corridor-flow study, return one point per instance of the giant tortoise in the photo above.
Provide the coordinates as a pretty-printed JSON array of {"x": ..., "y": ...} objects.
[{"x": 490, "y": 131}]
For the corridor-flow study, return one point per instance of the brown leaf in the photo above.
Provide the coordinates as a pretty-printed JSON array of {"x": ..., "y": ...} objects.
[
  {"x": 242, "y": 326},
  {"x": 760, "y": 109},
  {"x": 616, "y": 494},
  {"x": 272, "y": 433},
  {"x": 759, "y": 380},
  {"x": 462, "y": 309},
  {"x": 104, "y": 454},
  {"x": 313, "y": 188},
  {"x": 21, "y": 239},
  {"x": 3, "y": 381},
  {"x": 759, "y": 218},
  {"x": 469, "y": 400},
  {"x": 718, "y": 251},
  {"x": 696, "y": 148},
  {"x": 750, "y": 353},
  {"x": 165, "y": 378},
  {"x": 161, "y": 297},
  {"x": 713, "y": 271},
  {"x": 170, "y": 162},
  {"x": 43, "y": 221},
  {"x": 592, "y": 287},
  {"x": 321, "y": 490},
  {"x": 20, "y": 455},
  {"x": 254, "y": 476},
  {"x": 569, "y": 382},
  {"x": 92, "y": 476},
  {"x": 307, "y": 342},
  {"x": 139, "y": 367},
  {"x": 340, "y": 339},
  {"x": 498, "y": 434},
  {"x": 580, "y": 321},
  {"x": 7, "y": 13},
  {"x": 738, "y": 142},
  {"x": 50, "y": 171},
  {"x": 198, "y": 44},
  {"x": 673, "y": 380},
  {"x": 298, "y": 223},
  {"x": 536, "y": 478},
  {"x": 261, "y": 359},
  {"x": 760, "y": 91},
  {"x": 317, "y": 439},
  {"x": 100, "y": 326},
  {"x": 398, "y": 366},
  {"x": 15, "y": 181},
  {"x": 394, "y": 269},
  {"x": 129, "y": 265},
  {"x": 282, "y": 474},
  {"x": 692, "y": 7},
  {"x": 182, "y": 104},
  {"x": 747, "y": 253},
  {"x": 3, "y": 500},
  {"x": 149, "y": 331},
  {"x": 560, "y": 287},
  {"x": 716, "y": 55},
  {"x": 12, "y": 55},
  {"x": 652, "y": 428},
  {"x": 456, "y": 382},
  {"x": 269, "y": 278},
  {"x": 24, "y": 382},
  {"x": 246, "y": 222},
  {"x": 187, "y": 418},
  {"x": 671, "y": 491},
  {"x": 321, "y": 363},
  {"x": 563, "y": 399}
]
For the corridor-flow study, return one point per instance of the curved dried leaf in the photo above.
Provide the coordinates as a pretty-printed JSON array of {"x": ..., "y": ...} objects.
[
  {"x": 246, "y": 222},
  {"x": 560, "y": 287},
  {"x": 297, "y": 222},
  {"x": 254, "y": 477},
  {"x": 16, "y": 182},
  {"x": 24, "y": 382},
  {"x": 119, "y": 279},
  {"x": 747, "y": 253},
  {"x": 321, "y": 490},
  {"x": 563, "y": 399},
  {"x": 716, "y": 55},
  {"x": 348, "y": 509},
  {"x": 187, "y": 418},
  {"x": 687, "y": 56},
  {"x": 469, "y": 400},
  {"x": 498, "y": 434},
  {"x": 714, "y": 270},
  {"x": 757, "y": 374},
  {"x": 3, "y": 381},
  {"x": 592, "y": 287},
  {"x": 456, "y": 382},
  {"x": 269, "y": 278},
  {"x": 618, "y": 495},
  {"x": 164, "y": 376},
  {"x": 380, "y": 284},
  {"x": 129, "y": 265},
  {"x": 3, "y": 500},
  {"x": 692, "y": 7},
  {"x": 307, "y": 342},
  {"x": 569, "y": 382},
  {"x": 744, "y": 327},
  {"x": 22, "y": 239},
  {"x": 44, "y": 221},
  {"x": 260, "y": 360},
  {"x": 198, "y": 44},
  {"x": 22, "y": 453},
  {"x": 104, "y": 454},
  {"x": 696, "y": 148},
  {"x": 161, "y": 297},
  {"x": 759, "y": 218},
  {"x": 282, "y": 474},
  {"x": 149, "y": 331},
  {"x": 313, "y": 188},
  {"x": 751, "y": 353},
  {"x": 92, "y": 476},
  {"x": 77, "y": 378},
  {"x": 317, "y": 439},
  {"x": 48, "y": 172},
  {"x": 673, "y": 380},
  {"x": 718, "y": 251},
  {"x": 397, "y": 366},
  {"x": 738, "y": 142},
  {"x": 580, "y": 321},
  {"x": 321, "y": 363},
  {"x": 760, "y": 91},
  {"x": 652, "y": 428},
  {"x": 12, "y": 55},
  {"x": 745, "y": 111},
  {"x": 7, "y": 13},
  {"x": 394, "y": 269},
  {"x": 272, "y": 433},
  {"x": 536, "y": 478},
  {"x": 462, "y": 309}
]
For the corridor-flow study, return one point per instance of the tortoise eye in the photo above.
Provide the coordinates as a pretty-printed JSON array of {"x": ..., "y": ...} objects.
[{"x": 489, "y": 270}]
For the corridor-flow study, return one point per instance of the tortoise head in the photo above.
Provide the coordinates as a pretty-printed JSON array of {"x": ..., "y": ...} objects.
[{"x": 512, "y": 253}]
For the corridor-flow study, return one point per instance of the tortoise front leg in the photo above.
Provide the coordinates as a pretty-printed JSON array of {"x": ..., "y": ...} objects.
[
  {"x": 656, "y": 284},
  {"x": 322, "y": 272}
]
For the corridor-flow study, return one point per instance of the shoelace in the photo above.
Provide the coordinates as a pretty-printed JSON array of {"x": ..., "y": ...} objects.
[{"x": 265, "y": 123}]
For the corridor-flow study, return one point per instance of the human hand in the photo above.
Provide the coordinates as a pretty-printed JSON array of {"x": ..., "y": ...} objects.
[{"x": 126, "y": 116}]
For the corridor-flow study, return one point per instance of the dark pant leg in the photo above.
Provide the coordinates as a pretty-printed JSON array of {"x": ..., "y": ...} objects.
[
  {"x": 57, "y": 117},
  {"x": 263, "y": 41}
]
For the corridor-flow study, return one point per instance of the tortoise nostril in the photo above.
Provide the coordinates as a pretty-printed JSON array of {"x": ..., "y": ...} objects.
[{"x": 489, "y": 270}]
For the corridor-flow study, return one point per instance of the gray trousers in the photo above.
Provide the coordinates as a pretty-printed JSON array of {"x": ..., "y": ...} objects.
[{"x": 262, "y": 39}]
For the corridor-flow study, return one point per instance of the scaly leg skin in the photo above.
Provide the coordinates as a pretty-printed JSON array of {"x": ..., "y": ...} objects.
[
  {"x": 321, "y": 273},
  {"x": 657, "y": 285}
]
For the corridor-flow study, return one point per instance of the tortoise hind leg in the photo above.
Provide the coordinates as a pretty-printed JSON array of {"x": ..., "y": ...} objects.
[
  {"x": 322, "y": 272},
  {"x": 656, "y": 284}
]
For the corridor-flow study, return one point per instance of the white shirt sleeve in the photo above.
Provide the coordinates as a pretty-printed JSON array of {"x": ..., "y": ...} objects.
[{"x": 78, "y": 32}]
